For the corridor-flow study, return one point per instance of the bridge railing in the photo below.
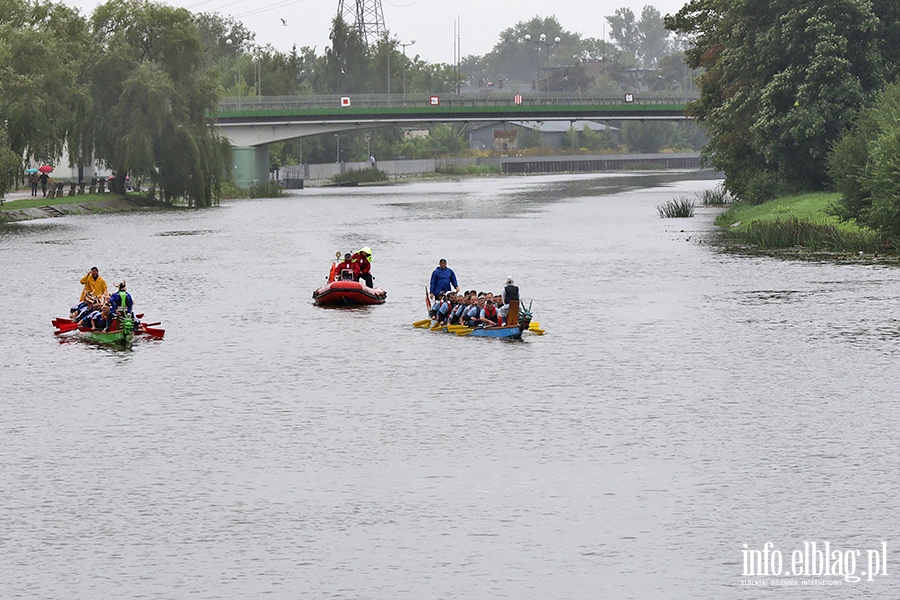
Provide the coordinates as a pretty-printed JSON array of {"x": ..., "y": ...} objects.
[{"x": 269, "y": 103}]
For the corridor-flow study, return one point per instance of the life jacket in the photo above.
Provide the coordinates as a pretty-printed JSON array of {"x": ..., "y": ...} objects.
[
  {"x": 490, "y": 312},
  {"x": 511, "y": 292}
]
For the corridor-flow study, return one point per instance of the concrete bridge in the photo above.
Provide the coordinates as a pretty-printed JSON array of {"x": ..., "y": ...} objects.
[{"x": 252, "y": 123}]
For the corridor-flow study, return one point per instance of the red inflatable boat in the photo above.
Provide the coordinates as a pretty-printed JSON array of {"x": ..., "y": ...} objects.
[{"x": 348, "y": 293}]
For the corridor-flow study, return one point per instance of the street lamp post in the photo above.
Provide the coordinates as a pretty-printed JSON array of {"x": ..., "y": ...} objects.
[
  {"x": 411, "y": 42},
  {"x": 542, "y": 41},
  {"x": 230, "y": 42},
  {"x": 337, "y": 157}
]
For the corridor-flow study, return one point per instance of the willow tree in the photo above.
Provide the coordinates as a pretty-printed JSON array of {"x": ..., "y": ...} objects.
[
  {"x": 153, "y": 101},
  {"x": 783, "y": 79},
  {"x": 10, "y": 164},
  {"x": 42, "y": 100}
]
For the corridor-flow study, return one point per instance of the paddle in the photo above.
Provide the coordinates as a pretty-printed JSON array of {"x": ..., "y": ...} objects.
[
  {"x": 465, "y": 331},
  {"x": 422, "y": 323},
  {"x": 65, "y": 328},
  {"x": 157, "y": 333}
]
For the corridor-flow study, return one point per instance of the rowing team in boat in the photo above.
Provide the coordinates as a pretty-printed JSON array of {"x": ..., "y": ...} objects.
[
  {"x": 477, "y": 309},
  {"x": 104, "y": 312}
]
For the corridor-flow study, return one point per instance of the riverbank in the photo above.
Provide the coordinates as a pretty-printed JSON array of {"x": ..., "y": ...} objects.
[
  {"x": 802, "y": 226},
  {"x": 21, "y": 206}
]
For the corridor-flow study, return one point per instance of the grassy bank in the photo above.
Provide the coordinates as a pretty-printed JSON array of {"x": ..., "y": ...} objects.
[
  {"x": 799, "y": 223},
  {"x": 58, "y": 201}
]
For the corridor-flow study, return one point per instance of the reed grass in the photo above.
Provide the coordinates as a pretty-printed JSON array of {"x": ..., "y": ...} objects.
[
  {"x": 716, "y": 196},
  {"x": 813, "y": 236},
  {"x": 677, "y": 208}
]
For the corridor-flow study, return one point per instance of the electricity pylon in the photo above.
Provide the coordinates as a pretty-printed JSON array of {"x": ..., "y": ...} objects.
[{"x": 366, "y": 16}]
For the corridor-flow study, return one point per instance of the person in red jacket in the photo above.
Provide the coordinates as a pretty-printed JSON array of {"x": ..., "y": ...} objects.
[
  {"x": 348, "y": 265},
  {"x": 364, "y": 265}
]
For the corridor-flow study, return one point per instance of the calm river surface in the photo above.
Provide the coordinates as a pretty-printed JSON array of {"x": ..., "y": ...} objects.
[{"x": 683, "y": 403}]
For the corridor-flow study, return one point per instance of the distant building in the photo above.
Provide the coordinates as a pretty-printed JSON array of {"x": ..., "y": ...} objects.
[{"x": 504, "y": 137}]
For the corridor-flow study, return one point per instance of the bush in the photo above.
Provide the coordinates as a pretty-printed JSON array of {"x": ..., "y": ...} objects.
[
  {"x": 269, "y": 189},
  {"x": 369, "y": 175},
  {"x": 864, "y": 165},
  {"x": 467, "y": 169},
  {"x": 676, "y": 209}
]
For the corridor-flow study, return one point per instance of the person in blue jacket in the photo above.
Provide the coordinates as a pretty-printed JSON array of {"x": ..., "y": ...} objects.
[{"x": 443, "y": 279}]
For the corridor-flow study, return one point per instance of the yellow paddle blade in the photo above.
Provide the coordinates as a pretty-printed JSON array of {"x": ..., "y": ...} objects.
[
  {"x": 536, "y": 331},
  {"x": 436, "y": 326},
  {"x": 452, "y": 327},
  {"x": 422, "y": 323},
  {"x": 534, "y": 325},
  {"x": 464, "y": 331}
]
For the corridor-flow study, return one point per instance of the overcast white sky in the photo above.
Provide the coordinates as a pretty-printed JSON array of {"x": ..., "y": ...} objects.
[{"x": 429, "y": 22}]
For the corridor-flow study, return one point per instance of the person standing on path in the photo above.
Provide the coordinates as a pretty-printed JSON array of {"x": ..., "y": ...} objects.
[{"x": 44, "y": 178}]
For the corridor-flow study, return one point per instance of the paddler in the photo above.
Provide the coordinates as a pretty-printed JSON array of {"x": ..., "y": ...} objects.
[
  {"x": 93, "y": 284},
  {"x": 510, "y": 309},
  {"x": 121, "y": 301}
]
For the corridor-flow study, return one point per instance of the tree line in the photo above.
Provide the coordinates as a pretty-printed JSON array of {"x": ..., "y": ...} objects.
[
  {"x": 801, "y": 96},
  {"x": 136, "y": 84}
]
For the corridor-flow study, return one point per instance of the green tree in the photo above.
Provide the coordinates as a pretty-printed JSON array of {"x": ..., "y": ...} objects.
[
  {"x": 596, "y": 140},
  {"x": 782, "y": 81},
  {"x": 646, "y": 39},
  {"x": 43, "y": 47},
  {"x": 647, "y": 136},
  {"x": 345, "y": 67},
  {"x": 865, "y": 166},
  {"x": 570, "y": 139},
  {"x": 152, "y": 101},
  {"x": 10, "y": 164},
  {"x": 515, "y": 59}
]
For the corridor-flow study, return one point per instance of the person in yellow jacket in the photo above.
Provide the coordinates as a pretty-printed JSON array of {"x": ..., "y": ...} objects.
[{"x": 93, "y": 283}]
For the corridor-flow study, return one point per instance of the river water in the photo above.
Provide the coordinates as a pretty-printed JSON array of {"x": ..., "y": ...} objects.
[{"x": 684, "y": 402}]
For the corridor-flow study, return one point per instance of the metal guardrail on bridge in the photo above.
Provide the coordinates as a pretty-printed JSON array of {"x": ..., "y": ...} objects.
[{"x": 352, "y": 102}]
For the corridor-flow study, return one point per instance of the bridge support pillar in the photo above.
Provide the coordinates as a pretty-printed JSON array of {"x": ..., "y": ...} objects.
[{"x": 250, "y": 166}]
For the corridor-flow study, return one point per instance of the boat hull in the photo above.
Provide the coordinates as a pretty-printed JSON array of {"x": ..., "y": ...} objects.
[
  {"x": 509, "y": 333},
  {"x": 108, "y": 337},
  {"x": 348, "y": 293}
]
